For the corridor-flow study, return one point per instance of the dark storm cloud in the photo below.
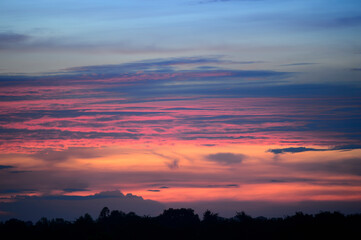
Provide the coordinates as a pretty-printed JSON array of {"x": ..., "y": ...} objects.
[{"x": 225, "y": 158}]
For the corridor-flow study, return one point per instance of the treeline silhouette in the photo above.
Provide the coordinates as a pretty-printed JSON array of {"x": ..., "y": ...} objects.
[{"x": 185, "y": 224}]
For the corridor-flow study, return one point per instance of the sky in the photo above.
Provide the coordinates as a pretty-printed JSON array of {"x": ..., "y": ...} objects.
[{"x": 231, "y": 105}]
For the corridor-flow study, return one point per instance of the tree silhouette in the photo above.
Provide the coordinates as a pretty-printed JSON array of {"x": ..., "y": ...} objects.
[
  {"x": 179, "y": 217},
  {"x": 210, "y": 218},
  {"x": 104, "y": 213},
  {"x": 85, "y": 220},
  {"x": 185, "y": 224},
  {"x": 243, "y": 217}
]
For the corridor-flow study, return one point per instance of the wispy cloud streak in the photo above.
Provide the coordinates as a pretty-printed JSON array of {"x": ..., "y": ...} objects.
[{"x": 158, "y": 100}]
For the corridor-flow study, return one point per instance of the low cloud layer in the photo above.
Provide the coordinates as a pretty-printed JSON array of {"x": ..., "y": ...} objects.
[
  {"x": 71, "y": 207},
  {"x": 348, "y": 166}
]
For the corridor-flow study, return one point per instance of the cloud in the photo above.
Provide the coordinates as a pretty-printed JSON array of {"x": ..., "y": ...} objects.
[
  {"x": 225, "y": 158},
  {"x": 346, "y": 147},
  {"x": 10, "y": 38},
  {"x": 17, "y": 191},
  {"x": 5, "y": 167},
  {"x": 195, "y": 185},
  {"x": 298, "y": 64},
  {"x": 50, "y": 134},
  {"x": 305, "y": 149},
  {"x": 306, "y": 22},
  {"x": 336, "y": 22},
  {"x": 17, "y": 172},
  {"x": 293, "y": 150},
  {"x": 168, "y": 69},
  {"x": 221, "y": 186},
  {"x": 159, "y": 99},
  {"x": 349, "y": 21},
  {"x": 15, "y": 42},
  {"x": 349, "y": 166},
  {"x": 173, "y": 163},
  {"x": 152, "y": 64},
  {"x": 52, "y": 155},
  {"x": 71, "y": 207},
  {"x": 75, "y": 189}
]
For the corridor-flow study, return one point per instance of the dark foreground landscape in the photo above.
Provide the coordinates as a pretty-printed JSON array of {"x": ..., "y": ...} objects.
[{"x": 185, "y": 224}]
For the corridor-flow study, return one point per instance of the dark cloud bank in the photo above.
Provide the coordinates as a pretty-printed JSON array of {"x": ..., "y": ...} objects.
[
  {"x": 306, "y": 149},
  {"x": 71, "y": 207}
]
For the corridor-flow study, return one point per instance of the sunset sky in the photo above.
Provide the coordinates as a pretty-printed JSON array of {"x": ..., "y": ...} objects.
[{"x": 179, "y": 102}]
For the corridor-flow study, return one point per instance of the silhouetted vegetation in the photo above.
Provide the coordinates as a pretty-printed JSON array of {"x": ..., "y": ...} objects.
[{"x": 185, "y": 224}]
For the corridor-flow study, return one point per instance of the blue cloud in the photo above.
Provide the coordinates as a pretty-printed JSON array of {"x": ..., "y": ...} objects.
[
  {"x": 5, "y": 167},
  {"x": 9, "y": 38},
  {"x": 293, "y": 150},
  {"x": 349, "y": 21},
  {"x": 305, "y": 149}
]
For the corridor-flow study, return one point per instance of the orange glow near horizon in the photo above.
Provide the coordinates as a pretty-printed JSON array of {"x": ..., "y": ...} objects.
[{"x": 186, "y": 173}]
